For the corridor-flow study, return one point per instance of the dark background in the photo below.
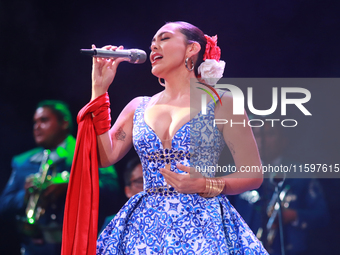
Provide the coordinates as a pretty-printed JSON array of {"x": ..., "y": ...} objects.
[{"x": 40, "y": 59}]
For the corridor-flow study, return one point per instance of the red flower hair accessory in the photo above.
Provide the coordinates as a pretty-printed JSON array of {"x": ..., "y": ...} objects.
[
  {"x": 212, "y": 51},
  {"x": 211, "y": 69}
]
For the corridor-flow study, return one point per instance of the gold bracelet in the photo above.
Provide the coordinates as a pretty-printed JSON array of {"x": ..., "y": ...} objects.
[{"x": 213, "y": 187}]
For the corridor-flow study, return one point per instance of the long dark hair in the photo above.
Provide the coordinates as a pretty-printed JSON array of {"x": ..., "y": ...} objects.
[{"x": 193, "y": 34}]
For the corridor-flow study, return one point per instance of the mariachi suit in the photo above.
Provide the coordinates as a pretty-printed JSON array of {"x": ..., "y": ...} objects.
[
  {"x": 12, "y": 199},
  {"x": 303, "y": 195}
]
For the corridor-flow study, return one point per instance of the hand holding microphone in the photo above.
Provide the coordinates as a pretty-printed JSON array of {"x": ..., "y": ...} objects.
[{"x": 105, "y": 63}]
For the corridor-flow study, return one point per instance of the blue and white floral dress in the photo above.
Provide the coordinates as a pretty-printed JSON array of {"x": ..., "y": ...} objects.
[{"x": 159, "y": 220}]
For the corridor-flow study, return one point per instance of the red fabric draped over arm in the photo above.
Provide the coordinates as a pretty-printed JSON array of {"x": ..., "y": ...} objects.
[{"x": 82, "y": 200}]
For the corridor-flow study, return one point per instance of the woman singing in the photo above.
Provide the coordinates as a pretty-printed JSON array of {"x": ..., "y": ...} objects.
[{"x": 180, "y": 211}]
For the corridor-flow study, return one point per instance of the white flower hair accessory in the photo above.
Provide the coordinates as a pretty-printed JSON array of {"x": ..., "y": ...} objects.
[{"x": 211, "y": 69}]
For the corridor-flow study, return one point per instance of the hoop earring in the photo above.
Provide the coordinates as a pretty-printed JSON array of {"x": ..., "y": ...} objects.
[
  {"x": 192, "y": 64},
  {"x": 160, "y": 82}
]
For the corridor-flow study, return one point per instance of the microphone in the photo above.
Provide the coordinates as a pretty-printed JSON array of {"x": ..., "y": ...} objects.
[{"x": 135, "y": 56}]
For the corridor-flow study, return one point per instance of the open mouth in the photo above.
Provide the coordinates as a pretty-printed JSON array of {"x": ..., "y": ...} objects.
[{"x": 155, "y": 57}]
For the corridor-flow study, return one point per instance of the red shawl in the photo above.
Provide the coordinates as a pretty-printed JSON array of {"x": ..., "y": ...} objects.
[{"x": 82, "y": 200}]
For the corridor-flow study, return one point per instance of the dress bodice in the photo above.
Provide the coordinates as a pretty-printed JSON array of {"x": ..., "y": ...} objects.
[{"x": 196, "y": 144}]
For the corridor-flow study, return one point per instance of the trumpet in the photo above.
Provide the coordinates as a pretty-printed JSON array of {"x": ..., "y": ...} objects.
[
  {"x": 37, "y": 206},
  {"x": 33, "y": 211}
]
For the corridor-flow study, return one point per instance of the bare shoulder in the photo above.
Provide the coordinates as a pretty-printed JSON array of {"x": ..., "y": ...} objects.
[
  {"x": 134, "y": 103},
  {"x": 227, "y": 97},
  {"x": 226, "y": 108},
  {"x": 131, "y": 107}
]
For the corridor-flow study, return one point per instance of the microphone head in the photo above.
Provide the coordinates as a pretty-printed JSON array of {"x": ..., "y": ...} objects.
[{"x": 137, "y": 56}]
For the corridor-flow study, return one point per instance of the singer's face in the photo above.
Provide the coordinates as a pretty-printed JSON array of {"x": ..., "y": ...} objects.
[
  {"x": 47, "y": 130},
  {"x": 168, "y": 49}
]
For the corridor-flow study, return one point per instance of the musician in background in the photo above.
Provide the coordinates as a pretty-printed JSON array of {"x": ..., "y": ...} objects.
[
  {"x": 40, "y": 223},
  {"x": 304, "y": 207}
]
